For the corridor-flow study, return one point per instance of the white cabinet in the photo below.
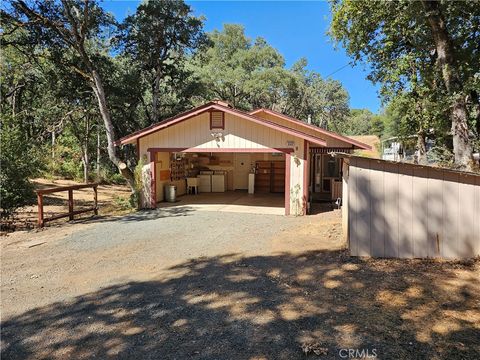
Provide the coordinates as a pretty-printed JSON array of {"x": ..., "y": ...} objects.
[
  {"x": 204, "y": 183},
  {"x": 218, "y": 183}
]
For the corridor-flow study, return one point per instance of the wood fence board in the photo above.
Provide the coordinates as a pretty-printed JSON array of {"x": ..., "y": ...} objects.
[
  {"x": 434, "y": 203},
  {"x": 420, "y": 212},
  {"x": 450, "y": 217},
  {"x": 363, "y": 211},
  {"x": 466, "y": 217},
  {"x": 405, "y": 212},
  {"x": 377, "y": 219},
  {"x": 352, "y": 209}
]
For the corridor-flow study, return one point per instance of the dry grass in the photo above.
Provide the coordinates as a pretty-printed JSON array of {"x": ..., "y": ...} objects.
[
  {"x": 112, "y": 200},
  {"x": 371, "y": 140}
]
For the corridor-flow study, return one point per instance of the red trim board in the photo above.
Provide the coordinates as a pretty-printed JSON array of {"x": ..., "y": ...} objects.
[
  {"x": 306, "y": 167},
  {"x": 221, "y": 150},
  {"x": 153, "y": 183},
  {"x": 288, "y": 160}
]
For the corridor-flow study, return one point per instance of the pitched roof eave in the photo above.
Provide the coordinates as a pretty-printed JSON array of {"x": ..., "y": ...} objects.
[
  {"x": 201, "y": 109},
  {"x": 355, "y": 143}
]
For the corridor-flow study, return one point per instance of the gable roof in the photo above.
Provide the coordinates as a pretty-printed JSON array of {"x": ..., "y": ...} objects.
[
  {"x": 217, "y": 106},
  {"x": 317, "y": 129}
]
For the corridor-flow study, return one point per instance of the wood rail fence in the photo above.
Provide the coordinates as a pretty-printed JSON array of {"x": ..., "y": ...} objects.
[{"x": 71, "y": 213}]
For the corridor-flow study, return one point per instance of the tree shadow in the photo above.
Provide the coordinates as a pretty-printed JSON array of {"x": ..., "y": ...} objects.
[
  {"x": 402, "y": 211},
  {"x": 146, "y": 215},
  {"x": 264, "y": 307}
]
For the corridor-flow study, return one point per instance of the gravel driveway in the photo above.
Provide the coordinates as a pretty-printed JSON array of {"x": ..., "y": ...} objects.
[{"x": 178, "y": 283}]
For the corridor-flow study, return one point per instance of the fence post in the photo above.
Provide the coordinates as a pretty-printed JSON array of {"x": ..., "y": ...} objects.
[
  {"x": 40, "y": 209},
  {"x": 70, "y": 204},
  {"x": 95, "y": 199}
]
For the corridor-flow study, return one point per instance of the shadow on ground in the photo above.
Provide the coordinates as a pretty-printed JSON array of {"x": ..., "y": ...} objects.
[
  {"x": 146, "y": 214},
  {"x": 260, "y": 307}
]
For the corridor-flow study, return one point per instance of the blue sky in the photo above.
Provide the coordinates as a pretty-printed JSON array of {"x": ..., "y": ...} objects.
[{"x": 295, "y": 29}]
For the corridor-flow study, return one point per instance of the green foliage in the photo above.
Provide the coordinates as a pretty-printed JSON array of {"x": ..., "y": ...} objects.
[
  {"x": 124, "y": 203},
  {"x": 397, "y": 40},
  {"x": 139, "y": 184},
  {"x": 17, "y": 164},
  {"x": 364, "y": 122},
  {"x": 251, "y": 74},
  {"x": 233, "y": 67},
  {"x": 156, "y": 40}
]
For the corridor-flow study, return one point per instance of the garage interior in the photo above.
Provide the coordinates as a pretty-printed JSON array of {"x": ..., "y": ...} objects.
[{"x": 244, "y": 182}]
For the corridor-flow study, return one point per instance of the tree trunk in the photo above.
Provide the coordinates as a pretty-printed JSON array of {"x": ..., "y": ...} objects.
[
  {"x": 97, "y": 87},
  {"x": 462, "y": 148},
  {"x": 53, "y": 144},
  {"x": 85, "y": 161},
  {"x": 74, "y": 35},
  {"x": 421, "y": 148},
  {"x": 98, "y": 153},
  {"x": 476, "y": 109},
  {"x": 156, "y": 95}
]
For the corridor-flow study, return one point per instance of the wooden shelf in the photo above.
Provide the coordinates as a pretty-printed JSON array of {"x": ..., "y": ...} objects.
[{"x": 270, "y": 177}]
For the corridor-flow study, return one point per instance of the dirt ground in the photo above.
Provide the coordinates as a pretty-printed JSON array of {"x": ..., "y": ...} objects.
[
  {"x": 178, "y": 283},
  {"x": 111, "y": 201}
]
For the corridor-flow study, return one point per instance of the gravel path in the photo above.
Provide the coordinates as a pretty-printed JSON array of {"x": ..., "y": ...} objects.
[
  {"x": 60, "y": 263},
  {"x": 178, "y": 283}
]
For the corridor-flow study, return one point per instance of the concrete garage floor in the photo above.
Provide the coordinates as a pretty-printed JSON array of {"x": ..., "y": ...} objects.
[
  {"x": 231, "y": 201},
  {"x": 179, "y": 283}
]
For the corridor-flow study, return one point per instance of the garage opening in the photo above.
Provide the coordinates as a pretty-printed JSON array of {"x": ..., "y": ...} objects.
[{"x": 227, "y": 181}]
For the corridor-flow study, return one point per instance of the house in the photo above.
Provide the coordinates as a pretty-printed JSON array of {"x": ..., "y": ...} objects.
[{"x": 288, "y": 157}]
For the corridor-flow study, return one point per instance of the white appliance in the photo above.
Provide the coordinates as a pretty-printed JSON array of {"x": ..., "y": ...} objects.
[
  {"x": 218, "y": 181},
  {"x": 204, "y": 183},
  {"x": 251, "y": 183}
]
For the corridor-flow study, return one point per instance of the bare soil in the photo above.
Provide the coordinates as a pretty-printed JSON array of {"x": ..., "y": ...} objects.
[
  {"x": 112, "y": 200},
  {"x": 177, "y": 283},
  {"x": 373, "y": 141}
]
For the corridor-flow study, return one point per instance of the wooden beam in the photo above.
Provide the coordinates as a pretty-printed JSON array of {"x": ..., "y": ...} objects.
[
  {"x": 288, "y": 162},
  {"x": 70, "y": 204},
  {"x": 40, "y": 210}
]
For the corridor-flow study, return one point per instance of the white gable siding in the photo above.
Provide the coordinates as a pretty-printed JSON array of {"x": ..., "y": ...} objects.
[{"x": 239, "y": 133}]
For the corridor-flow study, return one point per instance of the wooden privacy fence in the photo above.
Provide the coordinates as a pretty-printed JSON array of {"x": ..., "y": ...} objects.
[
  {"x": 404, "y": 210},
  {"x": 71, "y": 212}
]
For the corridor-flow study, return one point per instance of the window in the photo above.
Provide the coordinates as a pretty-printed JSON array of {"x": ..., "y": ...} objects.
[{"x": 217, "y": 120}]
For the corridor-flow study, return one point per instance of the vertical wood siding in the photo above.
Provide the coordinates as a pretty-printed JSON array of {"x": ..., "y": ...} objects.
[
  {"x": 196, "y": 133},
  {"x": 408, "y": 211}
]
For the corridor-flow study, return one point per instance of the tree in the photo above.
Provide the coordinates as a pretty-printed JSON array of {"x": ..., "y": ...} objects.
[
  {"x": 233, "y": 68},
  {"x": 308, "y": 95},
  {"x": 416, "y": 47},
  {"x": 359, "y": 122},
  {"x": 17, "y": 164},
  {"x": 157, "y": 38},
  {"x": 67, "y": 29},
  {"x": 448, "y": 62}
]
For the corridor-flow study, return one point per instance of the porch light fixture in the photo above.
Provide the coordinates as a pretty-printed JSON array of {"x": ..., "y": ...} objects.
[{"x": 217, "y": 136}]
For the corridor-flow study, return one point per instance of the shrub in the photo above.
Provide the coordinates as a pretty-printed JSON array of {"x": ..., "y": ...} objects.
[{"x": 17, "y": 163}]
